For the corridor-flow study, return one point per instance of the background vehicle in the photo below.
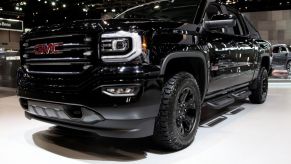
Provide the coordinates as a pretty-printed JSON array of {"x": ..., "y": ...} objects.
[
  {"x": 281, "y": 57},
  {"x": 148, "y": 72}
]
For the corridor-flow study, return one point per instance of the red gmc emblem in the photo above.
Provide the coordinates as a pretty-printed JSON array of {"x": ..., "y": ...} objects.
[{"x": 50, "y": 48}]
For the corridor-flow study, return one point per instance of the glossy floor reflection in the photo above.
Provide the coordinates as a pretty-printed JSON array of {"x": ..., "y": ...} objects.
[
  {"x": 88, "y": 146},
  {"x": 258, "y": 134}
]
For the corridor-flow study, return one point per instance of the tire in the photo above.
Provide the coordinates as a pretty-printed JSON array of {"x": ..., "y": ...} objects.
[
  {"x": 179, "y": 115},
  {"x": 259, "y": 94},
  {"x": 288, "y": 67}
]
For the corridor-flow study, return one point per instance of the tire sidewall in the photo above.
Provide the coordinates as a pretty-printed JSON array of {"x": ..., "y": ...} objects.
[
  {"x": 187, "y": 82},
  {"x": 264, "y": 74}
]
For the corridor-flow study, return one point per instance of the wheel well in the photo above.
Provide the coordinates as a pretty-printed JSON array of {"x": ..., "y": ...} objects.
[
  {"x": 194, "y": 66},
  {"x": 266, "y": 63}
]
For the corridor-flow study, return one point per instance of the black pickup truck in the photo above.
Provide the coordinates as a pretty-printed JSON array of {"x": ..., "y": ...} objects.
[{"x": 147, "y": 72}]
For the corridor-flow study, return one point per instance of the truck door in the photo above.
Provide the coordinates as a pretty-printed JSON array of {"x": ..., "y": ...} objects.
[
  {"x": 246, "y": 53},
  {"x": 222, "y": 51}
]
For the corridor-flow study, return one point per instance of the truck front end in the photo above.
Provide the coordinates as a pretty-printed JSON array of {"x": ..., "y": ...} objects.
[{"x": 83, "y": 77}]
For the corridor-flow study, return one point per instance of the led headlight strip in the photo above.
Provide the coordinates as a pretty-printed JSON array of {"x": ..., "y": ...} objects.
[{"x": 136, "y": 47}]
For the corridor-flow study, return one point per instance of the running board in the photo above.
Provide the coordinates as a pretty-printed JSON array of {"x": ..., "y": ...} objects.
[
  {"x": 241, "y": 94},
  {"x": 220, "y": 103}
]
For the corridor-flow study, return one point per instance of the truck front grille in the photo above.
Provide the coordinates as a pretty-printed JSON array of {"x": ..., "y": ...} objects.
[{"x": 61, "y": 54}]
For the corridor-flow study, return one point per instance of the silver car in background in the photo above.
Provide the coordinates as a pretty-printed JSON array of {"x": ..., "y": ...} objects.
[{"x": 281, "y": 57}]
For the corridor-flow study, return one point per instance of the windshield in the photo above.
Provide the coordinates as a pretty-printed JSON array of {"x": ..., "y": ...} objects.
[{"x": 175, "y": 10}]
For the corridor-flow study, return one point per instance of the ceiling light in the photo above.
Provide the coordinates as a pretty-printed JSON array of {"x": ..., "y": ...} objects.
[
  {"x": 53, "y": 3},
  {"x": 105, "y": 10},
  {"x": 157, "y": 7},
  {"x": 113, "y": 10},
  {"x": 85, "y": 10},
  {"x": 64, "y": 5},
  {"x": 22, "y": 3}
]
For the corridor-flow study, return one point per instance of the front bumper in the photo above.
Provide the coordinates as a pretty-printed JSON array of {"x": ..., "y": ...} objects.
[{"x": 119, "y": 117}]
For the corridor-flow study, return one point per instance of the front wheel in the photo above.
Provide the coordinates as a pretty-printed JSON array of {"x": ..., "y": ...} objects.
[
  {"x": 179, "y": 114},
  {"x": 259, "y": 94}
]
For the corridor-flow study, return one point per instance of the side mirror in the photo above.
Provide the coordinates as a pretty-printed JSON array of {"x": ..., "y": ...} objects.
[{"x": 220, "y": 21}]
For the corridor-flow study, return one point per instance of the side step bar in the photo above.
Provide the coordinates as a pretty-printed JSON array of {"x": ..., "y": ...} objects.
[
  {"x": 241, "y": 94},
  {"x": 221, "y": 102}
]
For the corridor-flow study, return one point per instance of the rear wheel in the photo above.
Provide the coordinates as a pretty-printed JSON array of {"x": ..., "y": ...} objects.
[
  {"x": 259, "y": 94},
  {"x": 179, "y": 115},
  {"x": 288, "y": 67}
]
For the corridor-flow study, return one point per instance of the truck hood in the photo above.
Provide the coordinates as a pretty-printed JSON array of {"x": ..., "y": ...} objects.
[{"x": 100, "y": 26}]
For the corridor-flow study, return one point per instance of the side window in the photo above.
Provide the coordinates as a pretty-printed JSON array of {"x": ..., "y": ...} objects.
[
  {"x": 211, "y": 11},
  {"x": 238, "y": 28},
  {"x": 276, "y": 50},
  {"x": 283, "y": 49},
  {"x": 251, "y": 29}
]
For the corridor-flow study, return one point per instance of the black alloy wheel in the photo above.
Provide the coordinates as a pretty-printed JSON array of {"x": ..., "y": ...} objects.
[
  {"x": 186, "y": 112},
  {"x": 179, "y": 115},
  {"x": 259, "y": 94},
  {"x": 288, "y": 67}
]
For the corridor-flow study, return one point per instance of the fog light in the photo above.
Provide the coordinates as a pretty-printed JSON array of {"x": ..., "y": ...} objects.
[{"x": 121, "y": 91}]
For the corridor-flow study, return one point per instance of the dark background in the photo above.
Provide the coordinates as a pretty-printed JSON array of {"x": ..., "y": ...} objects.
[{"x": 37, "y": 12}]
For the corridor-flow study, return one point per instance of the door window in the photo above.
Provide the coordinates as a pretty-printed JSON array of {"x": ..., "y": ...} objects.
[
  {"x": 276, "y": 50},
  {"x": 238, "y": 28},
  {"x": 211, "y": 11},
  {"x": 283, "y": 49}
]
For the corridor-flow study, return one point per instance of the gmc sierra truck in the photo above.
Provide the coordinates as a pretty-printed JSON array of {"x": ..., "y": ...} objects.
[{"x": 147, "y": 72}]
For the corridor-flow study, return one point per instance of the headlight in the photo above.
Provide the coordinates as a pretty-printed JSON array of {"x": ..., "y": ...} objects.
[
  {"x": 113, "y": 45},
  {"x": 120, "y": 46}
]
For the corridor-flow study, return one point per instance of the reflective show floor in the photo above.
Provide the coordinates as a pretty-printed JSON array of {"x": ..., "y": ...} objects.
[{"x": 260, "y": 134}]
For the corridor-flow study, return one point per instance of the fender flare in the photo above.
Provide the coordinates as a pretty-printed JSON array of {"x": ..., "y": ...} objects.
[
  {"x": 265, "y": 56},
  {"x": 191, "y": 54}
]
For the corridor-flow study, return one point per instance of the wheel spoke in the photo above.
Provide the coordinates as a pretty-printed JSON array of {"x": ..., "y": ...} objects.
[
  {"x": 180, "y": 127},
  {"x": 184, "y": 96},
  {"x": 190, "y": 105},
  {"x": 188, "y": 122}
]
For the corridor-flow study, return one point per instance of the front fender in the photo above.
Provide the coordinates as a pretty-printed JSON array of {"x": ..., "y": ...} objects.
[{"x": 191, "y": 54}]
